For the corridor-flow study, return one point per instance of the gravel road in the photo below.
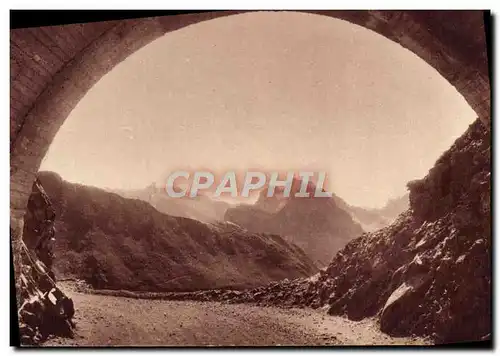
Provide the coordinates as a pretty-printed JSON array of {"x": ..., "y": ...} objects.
[{"x": 117, "y": 321}]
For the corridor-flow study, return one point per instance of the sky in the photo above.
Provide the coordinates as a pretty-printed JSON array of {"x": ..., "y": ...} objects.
[{"x": 269, "y": 91}]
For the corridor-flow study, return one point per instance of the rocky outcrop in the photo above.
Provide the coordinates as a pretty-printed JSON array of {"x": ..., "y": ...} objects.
[
  {"x": 429, "y": 273},
  {"x": 44, "y": 309}
]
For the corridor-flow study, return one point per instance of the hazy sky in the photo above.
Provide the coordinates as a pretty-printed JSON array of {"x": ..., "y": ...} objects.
[{"x": 269, "y": 90}]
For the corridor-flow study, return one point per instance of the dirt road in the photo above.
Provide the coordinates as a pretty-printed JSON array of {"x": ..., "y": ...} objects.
[{"x": 106, "y": 321}]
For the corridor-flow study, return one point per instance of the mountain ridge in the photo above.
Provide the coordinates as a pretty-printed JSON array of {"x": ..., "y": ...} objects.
[
  {"x": 316, "y": 224},
  {"x": 118, "y": 243}
]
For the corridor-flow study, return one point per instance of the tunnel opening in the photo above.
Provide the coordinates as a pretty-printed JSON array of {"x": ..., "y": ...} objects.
[{"x": 64, "y": 93}]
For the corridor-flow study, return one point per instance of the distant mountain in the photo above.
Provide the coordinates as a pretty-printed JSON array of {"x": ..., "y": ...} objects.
[
  {"x": 375, "y": 219},
  {"x": 117, "y": 243},
  {"x": 395, "y": 207},
  {"x": 316, "y": 224},
  {"x": 201, "y": 208}
]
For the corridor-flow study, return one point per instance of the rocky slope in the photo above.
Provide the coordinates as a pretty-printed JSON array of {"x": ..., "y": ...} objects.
[
  {"x": 429, "y": 273},
  {"x": 316, "y": 224},
  {"x": 117, "y": 243},
  {"x": 44, "y": 309}
]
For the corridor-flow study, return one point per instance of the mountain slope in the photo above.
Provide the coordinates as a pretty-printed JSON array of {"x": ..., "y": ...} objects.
[
  {"x": 201, "y": 207},
  {"x": 118, "y": 243},
  {"x": 316, "y": 224}
]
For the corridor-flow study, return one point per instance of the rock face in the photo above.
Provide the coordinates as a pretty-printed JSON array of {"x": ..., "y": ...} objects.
[
  {"x": 316, "y": 224},
  {"x": 117, "y": 243},
  {"x": 44, "y": 309},
  {"x": 429, "y": 273}
]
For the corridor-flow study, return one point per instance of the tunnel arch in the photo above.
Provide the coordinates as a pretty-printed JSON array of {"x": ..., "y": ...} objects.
[{"x": 452, "y": 42}]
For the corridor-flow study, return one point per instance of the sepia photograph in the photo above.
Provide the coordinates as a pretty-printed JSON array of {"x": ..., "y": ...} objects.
[{"x": 256, "y": 178}]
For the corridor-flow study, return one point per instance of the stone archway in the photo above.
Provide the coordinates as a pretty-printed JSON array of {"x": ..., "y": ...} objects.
[{"x": 53, "y": 68}]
